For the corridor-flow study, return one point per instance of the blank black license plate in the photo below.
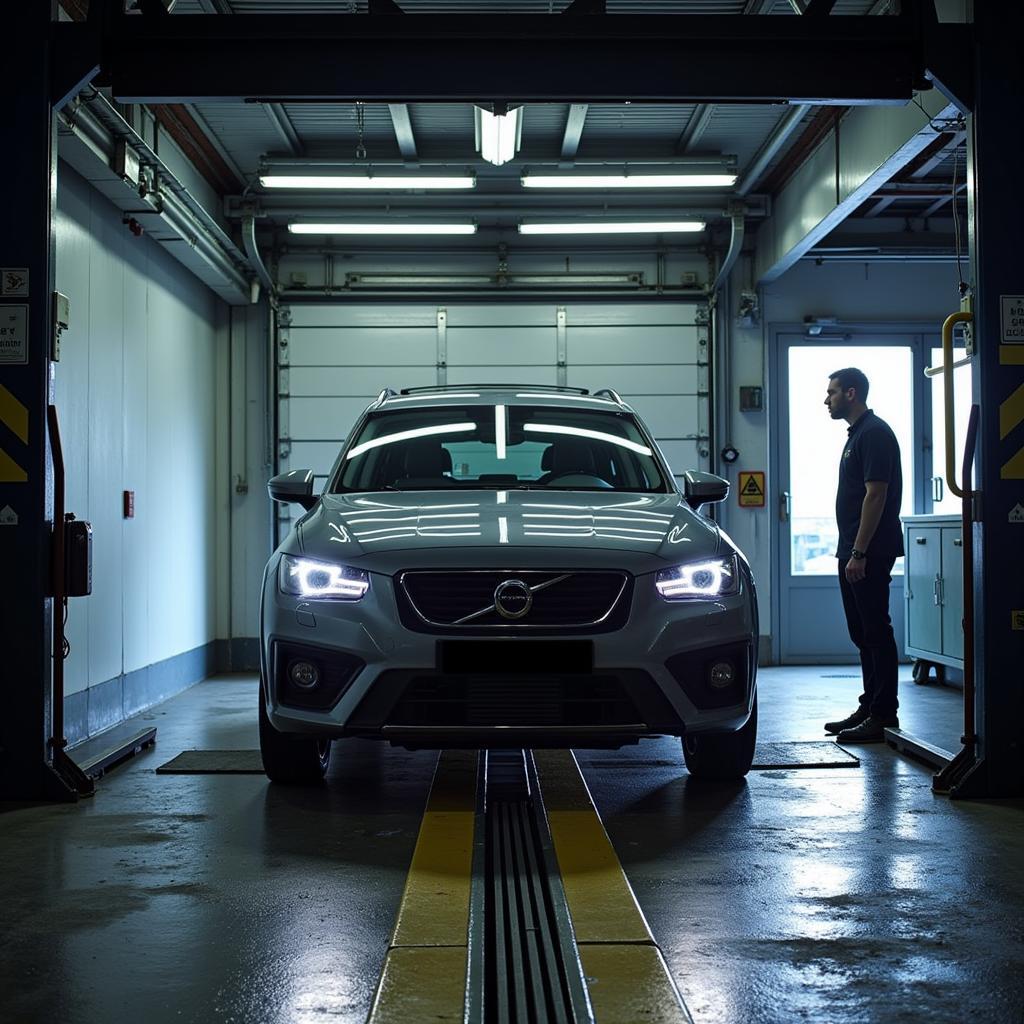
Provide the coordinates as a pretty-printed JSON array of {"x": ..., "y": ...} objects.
[{"x": 523, "y": 657}]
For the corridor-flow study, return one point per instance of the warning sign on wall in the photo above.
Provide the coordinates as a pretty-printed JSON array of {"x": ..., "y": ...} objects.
[{"x": 751, "y": 489}]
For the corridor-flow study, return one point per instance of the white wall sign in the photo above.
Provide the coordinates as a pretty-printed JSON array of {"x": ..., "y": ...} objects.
[
  {"x": 14, "y": 281},
  {"x": 13, "y": 334},
  {"x": 8, "y": 517},
  {"x": 1016, "y": 514},
  {"x": 1011, "y": 319}
]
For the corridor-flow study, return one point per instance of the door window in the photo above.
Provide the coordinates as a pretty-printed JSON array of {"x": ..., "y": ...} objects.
[
  {"x": 943, "y": 500},
  {"x": 816, "y": 441}
]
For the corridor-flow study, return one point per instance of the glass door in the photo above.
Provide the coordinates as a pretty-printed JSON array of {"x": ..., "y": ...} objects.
[{"x": 812, "y": 627}]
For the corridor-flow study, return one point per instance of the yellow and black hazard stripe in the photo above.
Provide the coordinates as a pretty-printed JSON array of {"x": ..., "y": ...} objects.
[{"x": 14, "y": 417}]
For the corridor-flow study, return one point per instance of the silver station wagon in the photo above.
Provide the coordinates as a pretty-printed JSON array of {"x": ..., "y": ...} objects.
[{"x": 505, "y": 566}]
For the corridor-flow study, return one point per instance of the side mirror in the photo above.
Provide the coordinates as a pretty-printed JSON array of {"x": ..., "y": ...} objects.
[
  {"x": 704, "y": 488},
  {"x": 296, "y": 486}
]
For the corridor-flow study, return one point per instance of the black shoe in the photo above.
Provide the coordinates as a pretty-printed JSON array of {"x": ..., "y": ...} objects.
[
  {"x": 860, "y": 715},
  {"x": 871, "y": 730}
]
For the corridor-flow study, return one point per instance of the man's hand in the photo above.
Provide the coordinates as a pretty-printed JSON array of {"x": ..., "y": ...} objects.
[{"x": 856, "y": 570}]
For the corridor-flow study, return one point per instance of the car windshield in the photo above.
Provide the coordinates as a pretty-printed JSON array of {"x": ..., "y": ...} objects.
[{"x": 500, "y": 446}]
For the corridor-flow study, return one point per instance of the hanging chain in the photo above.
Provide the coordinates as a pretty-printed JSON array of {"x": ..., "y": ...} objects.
[{"x": 360, "y": 128}]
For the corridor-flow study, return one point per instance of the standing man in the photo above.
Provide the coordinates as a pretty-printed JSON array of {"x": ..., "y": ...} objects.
[{"x": 870, "y": 540}]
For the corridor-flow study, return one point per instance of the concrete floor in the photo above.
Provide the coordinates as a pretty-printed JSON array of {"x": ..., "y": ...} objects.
[{"x": 839, "y": 895}]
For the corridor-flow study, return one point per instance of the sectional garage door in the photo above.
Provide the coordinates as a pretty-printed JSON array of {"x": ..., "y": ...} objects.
[{"x": 335, "y": 359}]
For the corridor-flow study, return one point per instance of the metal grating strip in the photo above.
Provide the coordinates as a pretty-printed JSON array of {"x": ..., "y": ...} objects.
[{"x": 526, "y": 976}]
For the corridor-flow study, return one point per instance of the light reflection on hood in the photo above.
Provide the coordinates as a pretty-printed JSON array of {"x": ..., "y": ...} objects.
[{"x": 643, "y": 523}]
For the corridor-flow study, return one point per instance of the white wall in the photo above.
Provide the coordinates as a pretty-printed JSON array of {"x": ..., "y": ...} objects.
[
  {"x": 853, "y": 292},
  {"x": 136, "y": 394}
]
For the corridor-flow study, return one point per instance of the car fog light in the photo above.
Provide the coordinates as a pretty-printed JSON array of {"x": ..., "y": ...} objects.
[
  {"x": 304, "y": 674},
  {"x": 721, "y": 674}
]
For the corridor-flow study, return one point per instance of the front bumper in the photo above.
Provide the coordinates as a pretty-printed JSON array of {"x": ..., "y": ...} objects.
[{"x": 649, "y": 676}]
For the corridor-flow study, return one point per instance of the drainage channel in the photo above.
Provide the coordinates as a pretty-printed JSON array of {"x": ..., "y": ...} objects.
[
  {"x": 524, "y": 965},
  {"x": 516, "y": 909}
]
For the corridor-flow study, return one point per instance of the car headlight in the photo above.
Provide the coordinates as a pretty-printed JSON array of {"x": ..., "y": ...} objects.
[
  {"x": 322, "y": 581},
  {"x": 708, "y": 579}
]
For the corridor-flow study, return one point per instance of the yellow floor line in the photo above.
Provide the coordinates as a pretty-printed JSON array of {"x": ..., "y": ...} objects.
[
  {"x": 627, "y": 977},
  {"x": 424, "y": 974}
]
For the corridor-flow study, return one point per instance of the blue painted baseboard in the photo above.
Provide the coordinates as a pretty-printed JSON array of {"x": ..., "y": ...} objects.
[{"x": 99, "y": 707}]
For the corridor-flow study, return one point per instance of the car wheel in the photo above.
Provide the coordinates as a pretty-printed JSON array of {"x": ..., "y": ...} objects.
[
  {"x": 294, "y": 760},
  {"x": 722, "y": 756}
]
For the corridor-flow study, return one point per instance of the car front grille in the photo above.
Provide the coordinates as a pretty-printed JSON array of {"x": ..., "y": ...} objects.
[{"x": 560, "y": 600}]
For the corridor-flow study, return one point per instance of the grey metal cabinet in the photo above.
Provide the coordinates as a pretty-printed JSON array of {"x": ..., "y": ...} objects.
[{"x": 933, "y": 588}]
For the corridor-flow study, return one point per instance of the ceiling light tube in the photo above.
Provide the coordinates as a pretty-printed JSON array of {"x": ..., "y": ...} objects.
[
  {"x": 498, "y": 135},
  {"x": 366, "y": 181},
  {"x": 382, "y": 228},
  {"x": 628, "y": 180},
  {"x": 598, "y": 227}
]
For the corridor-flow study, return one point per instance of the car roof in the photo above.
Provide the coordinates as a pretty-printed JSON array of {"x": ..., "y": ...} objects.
[{"x": 500, "y": 394}]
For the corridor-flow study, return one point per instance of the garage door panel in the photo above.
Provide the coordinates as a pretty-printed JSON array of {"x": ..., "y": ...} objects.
[
  {"x": 349, "y": 381},
  {"x": 501, "y": 346},
  {"x": 510, "y": 315},
  {"x": 667, "y": 416},
  {"x": 667, "y": 379},
  {"x": 630, "y": 345},
  {"x": 318, "y": 456},
  {"x": 634, "y": 315},
  {"x": 502, "y": 375},
  {"x": 324, "y": 419},
  {"x": 376, "y": 346},
  {"x": 362, "y": 317},
  {"x": 681, "y": 455}
]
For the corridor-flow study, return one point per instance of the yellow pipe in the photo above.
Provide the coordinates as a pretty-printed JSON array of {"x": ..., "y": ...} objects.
[{"x": 947, "y": 393}]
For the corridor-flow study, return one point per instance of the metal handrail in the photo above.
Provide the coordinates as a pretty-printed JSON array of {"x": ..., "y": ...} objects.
[{"x": 946, "y": 369}]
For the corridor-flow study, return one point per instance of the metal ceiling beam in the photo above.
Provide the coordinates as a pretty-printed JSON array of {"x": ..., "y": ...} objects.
[
  {"x": 403, "y": 130},
  {"x": 695, "y": 127},
  {"x": 382, "y": 58},
  {"x": 776, "y": 140},
  {"x": 574, "y": 122},
  {"x": 283, "y": 126},
  {"x": 863, "y": 152}
]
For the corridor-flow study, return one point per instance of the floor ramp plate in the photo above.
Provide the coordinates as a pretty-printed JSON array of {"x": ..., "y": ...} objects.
[
  {"x": 811, "y": 754},
  {"x": 214, "y": 762}
]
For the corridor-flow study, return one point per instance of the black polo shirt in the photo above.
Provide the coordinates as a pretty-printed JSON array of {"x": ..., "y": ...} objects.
[{"x": 871, "y": 453}]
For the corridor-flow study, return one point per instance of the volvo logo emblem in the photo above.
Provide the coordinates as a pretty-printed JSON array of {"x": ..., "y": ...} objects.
[{"x": 512, "y": 599}]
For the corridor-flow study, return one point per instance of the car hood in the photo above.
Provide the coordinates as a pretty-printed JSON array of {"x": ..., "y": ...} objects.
[{"x": 390, "y": 531}]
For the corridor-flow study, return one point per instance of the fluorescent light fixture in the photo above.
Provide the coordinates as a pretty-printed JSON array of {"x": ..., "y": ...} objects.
[
  {"x": 596, "y": 435},
  {"x": 395, "y": 227},
  {"x": 498, "y": 135},
  {"x": 628, "y": 180},
  {"x": 499, "y": 431},
  {"x": 366, "y": 181},
  {"x": 502, "y": 529},
  {"x": 408, "y": 435},
  {"x": 597, "y": 227}
]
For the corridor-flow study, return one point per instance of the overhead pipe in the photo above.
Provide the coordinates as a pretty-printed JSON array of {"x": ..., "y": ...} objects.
[
  {"x": 679, "y": 161},
  {"x": 771, "y": 147},
  {"x": 255, "y": 259},
  {"x": 99, "y": 125},
  {"x": 737, "y": 218}
]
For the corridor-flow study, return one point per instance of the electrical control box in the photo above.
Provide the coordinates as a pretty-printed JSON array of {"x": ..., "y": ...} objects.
[{"x": 77, "y": 557}]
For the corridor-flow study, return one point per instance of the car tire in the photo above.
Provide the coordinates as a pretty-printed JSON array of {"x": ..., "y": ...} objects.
[
  {"x": 292, "y": 760},
  {"x": 722, "y": 756}
]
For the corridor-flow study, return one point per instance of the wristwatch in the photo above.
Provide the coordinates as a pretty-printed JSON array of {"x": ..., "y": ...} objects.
[{"x": 858, "y": 556}]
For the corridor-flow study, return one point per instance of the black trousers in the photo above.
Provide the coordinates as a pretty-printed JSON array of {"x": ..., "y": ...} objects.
[{"x": 867, "y": 617}]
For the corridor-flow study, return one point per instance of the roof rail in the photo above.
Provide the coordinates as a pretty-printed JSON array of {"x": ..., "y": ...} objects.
[
  {"x": 384, "y": 396},
  {"x": 613, "y": 395},
  {"x": 503, "y": 387}
]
